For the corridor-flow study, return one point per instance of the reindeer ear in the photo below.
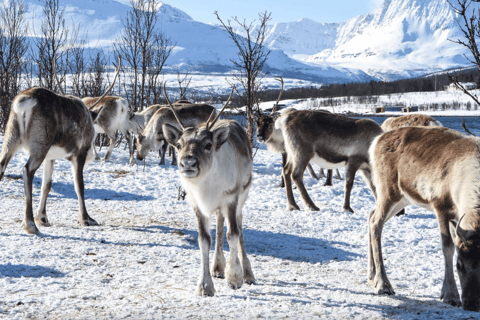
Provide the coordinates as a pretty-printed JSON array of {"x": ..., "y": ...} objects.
[
  {"x": 220, "y": 135},
  {"x": 171, "y": 134}
]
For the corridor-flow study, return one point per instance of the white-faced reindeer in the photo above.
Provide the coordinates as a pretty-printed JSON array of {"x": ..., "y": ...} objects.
[
  {"x": 328, "y": 140},
  {"x": 409, "y": 120},
  {"x": 444, "y": 178},
  {"x": 215, "y": 168},
  {"x": 49, "y": 127},
  {"x": 153, "y": 138}
]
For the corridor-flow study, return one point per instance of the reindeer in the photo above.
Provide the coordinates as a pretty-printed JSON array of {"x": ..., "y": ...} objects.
[
  {"x": 215, "y": 169},
  {"x": 113, "y": 115},
  {"x": 328, "y": 140},
  {"x": 49, "y": 127},
  {"x": 272, "y": 137},
  {"x": 153, "y": 138},
  {"x": 443, "y": 178},
  {"x": 409, "y": 120}
]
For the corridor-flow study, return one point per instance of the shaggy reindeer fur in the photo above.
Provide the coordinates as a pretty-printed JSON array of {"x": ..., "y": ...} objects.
[
  {"x": 328, "y": 140},
  {"x": 215, "y": 167},
  {"x": 48, "y": 127},
  {"x": 112, "y": 116},
  {"x": 409, "y": 120},
  {"x": 437, "y": 169}
]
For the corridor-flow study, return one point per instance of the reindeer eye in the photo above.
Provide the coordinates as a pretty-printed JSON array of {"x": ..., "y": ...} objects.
[
  {"x": 208, "y": 146},
  {"x": 178, "y": 146}
]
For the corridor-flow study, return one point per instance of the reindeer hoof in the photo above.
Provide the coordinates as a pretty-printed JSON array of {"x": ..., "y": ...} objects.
[
  {"x": 235, "y": 286},
  {"x": 97, "y": 158},
  {"x": 88, "y": 223},
  {"x": 218, "y": 275},
  {"x": 42, "y": 221},
  {"x": 281, "y": 185},
  {"x": 349, "y": 209},
  {"x": 292, "y": 207},
  {"x": 327, "y": 184},
  {"x": 250, "y": 281},
  {"x": 29, "y": 227},
  {"x": 205, "y": 290},
  {"x": 314, "y": 208},
  {"x": 383, "y": 287}
]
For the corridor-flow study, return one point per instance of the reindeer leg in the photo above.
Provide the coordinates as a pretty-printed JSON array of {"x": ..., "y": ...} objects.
[
  {"x": 218, "y": 269},
  {"x": 78, "y": 163},
  {"x": 174, "y": 157},
  {"x": 29, "y": 170},
  {"x": 311, "y": 171},
  {"x": 129, "y": 139},
  {"x": 291, "y": 204},
  {"x": 205, "y": 283},
  {"x": 383, "y": 212},
  {"x": 97, "y": 137},
  {"x": 248, "y": 276},
  {"x": 338, "y": 176},
  {"x": 350, "y": 172},
  {"x": 113, "y": 140},
  {"x": 297, "y": 176},
  {"x": 284, "y": 161},
  {"x": 234, "y": 269},
  {"x": 41, "y": 216},
  {"x": 449, "y": 293},
  {"x": 321, "y": 174},
  {"x": 163, "y": 152},
  {"x": 328, "y": 181},
  {"x": 371, "y": 271}
]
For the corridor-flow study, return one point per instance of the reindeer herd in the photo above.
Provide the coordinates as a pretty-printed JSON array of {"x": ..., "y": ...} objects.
[{"x": 409, "y": 160}]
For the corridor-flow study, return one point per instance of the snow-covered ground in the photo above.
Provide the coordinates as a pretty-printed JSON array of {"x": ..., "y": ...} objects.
[{"x": 143, "y": 261}]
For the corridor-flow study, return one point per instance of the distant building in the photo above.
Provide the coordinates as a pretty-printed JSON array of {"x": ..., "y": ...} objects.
[{"x": 466, "y": 85}]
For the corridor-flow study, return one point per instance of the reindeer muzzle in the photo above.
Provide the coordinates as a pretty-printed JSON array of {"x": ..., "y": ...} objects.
[{"x": 189, "y": 167}]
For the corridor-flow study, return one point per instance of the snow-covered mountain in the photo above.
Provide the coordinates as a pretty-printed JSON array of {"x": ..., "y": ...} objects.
[{"x": 400, "y": 38}]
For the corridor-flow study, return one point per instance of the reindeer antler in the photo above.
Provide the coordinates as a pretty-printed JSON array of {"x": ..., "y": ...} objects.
[
  {"x": 55, "y": 74},
  {"x": 274, "y": 109},
  {"x": 117, "y": 70},
  {"x": 210, "y": 124},
  {"x": 171, "y": 107},
  {"x": 457, "y": 228}
]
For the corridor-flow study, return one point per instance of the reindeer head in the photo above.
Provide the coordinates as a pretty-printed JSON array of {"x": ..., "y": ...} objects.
[
  {"x": 467, "y": 244},
  {"x": 265, "y": 122},
  {"x": 196, "y": 146}
]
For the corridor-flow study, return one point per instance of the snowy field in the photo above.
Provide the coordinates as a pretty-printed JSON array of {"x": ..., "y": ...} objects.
[{"x": 142, "y": 262}]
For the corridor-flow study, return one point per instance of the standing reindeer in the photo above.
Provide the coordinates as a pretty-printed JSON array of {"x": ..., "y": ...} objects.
[
  {"x": 444, "y": 178},
  {"x": 49, "y": 127},
  {"x": 328, "y": 140},
  {"x": 113, "y": 115},
  {"x": 272, "y": 137},
  {"x": 215, "y": 168},
  {"x": 153, "y": 138}
]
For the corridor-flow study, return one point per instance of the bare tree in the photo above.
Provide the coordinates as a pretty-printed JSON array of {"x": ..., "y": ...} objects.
[
  {"x": 13, "y": 46},
  {"x": 144, "y": 49},
  {"x": 95, "y": 82},
  {"x": 52, "y": 38},
  {"x": 252, "y": 56},
  {"x": 469, "y": 23},
  {"x": 183, "y": 83}
]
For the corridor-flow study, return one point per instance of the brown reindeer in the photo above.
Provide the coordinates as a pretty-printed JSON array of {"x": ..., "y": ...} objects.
[
  {"x": 272, "y": 137},
  {"x": 152, "y": 137},
  {"x": 215, "y": 168},
  {"x": 113, "y": 115},
  {"x": 328, "y": 140},
  {"x": 49, "y": 127},
  {"x": 437, "y": 169},
  {"x": 409, "y": 120}
]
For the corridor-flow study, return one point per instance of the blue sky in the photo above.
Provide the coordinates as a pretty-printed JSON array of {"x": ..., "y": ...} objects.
[{"x": 282, "y": 10}]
